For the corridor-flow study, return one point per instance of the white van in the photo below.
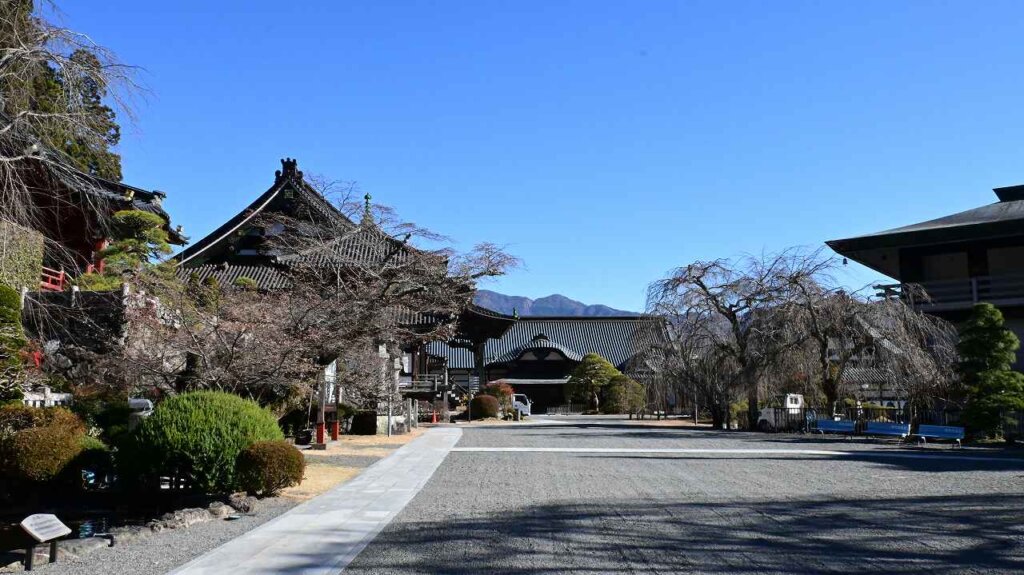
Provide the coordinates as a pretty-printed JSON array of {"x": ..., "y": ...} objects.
[{"x": 521, "y": 403}]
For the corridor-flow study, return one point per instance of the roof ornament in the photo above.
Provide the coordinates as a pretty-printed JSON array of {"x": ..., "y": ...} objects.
[
  {"x": 289, "y": 169},
  {"x": 515, "y": 313},
  {"x": 540, "y": 337},
  {"x": 367, "y": 210}
]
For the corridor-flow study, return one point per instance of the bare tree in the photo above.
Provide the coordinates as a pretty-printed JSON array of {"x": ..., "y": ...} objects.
[
  {"x": 739, "y": 312},
  {"x": 37, "y": 54},
  {"x": 332, "y": 291}
]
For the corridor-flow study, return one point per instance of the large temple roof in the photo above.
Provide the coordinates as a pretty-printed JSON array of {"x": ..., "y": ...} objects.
[
  {"x": 288, "y": 185},
  {"x": 617, "y": 339}
]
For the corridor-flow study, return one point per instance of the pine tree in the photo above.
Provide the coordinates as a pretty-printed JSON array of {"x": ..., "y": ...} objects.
[
  {"x": 987, "y": 350},
  {"x": 71, "y": 116},
  {"x": 589, "y": 379}
]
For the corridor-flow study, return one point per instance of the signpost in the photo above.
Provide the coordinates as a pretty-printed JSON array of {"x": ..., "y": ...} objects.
[{"x": 43, "y": 527}]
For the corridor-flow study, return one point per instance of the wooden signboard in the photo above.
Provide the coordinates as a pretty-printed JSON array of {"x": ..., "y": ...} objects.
[{"x": 44, "y": 527}]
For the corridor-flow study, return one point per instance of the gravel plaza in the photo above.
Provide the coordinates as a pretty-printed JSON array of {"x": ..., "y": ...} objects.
[{"x": 609, "y": 495}]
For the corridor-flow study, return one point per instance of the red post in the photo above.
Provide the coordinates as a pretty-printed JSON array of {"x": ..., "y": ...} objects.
[
  {"x": 335, "y": 429},
  {"x": 320, "y": 433},
  {"x": 433, "y": 416}
]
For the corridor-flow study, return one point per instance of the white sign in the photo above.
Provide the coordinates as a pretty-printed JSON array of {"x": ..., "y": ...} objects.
[{"x": 44, "y": 527}]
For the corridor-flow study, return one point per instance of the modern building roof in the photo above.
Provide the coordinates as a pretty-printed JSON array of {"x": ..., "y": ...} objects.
[
  {"x": 1000, "y": 219},
  {"x": 617, "y": 339}
]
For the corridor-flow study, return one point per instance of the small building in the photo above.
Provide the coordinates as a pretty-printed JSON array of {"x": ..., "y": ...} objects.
[
  {"x": 536, "y": 355},
  {"x": 45, "y": 397},
  {"x": 946, "y": 265}
]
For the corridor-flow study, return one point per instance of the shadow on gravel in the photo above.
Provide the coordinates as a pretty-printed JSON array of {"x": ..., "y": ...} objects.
[
  {"x": 981, "y": 534},
  {"x": 930, "y": 463}
]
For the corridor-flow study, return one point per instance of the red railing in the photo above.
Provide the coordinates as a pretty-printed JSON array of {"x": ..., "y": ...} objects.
[{"x": 53, "y": 280}]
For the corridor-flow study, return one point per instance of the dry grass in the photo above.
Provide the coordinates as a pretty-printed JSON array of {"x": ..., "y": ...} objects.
[
  {"x": 319, "y": 479},
  {"x": 321, "y": 476}
]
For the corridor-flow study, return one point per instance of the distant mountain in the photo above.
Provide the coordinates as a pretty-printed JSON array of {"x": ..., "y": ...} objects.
[{"x": 551, "y": 305}]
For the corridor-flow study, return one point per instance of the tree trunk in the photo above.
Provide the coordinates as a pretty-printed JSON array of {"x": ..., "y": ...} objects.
[{"x": 752, "y": 409}]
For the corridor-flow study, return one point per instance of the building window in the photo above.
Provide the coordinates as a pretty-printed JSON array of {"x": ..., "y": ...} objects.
[
  {"x": 1006, "y": 261},
  {"x": 948, "y": 266}
]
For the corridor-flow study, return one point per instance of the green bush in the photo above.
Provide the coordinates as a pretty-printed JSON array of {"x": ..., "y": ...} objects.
[
  {"x": 196, "y": 437},
  {"x": 266, "y": 467},
  {"x": 14, "y": 418},
  {"x": 484, "y": 406},
  {"x": 622, "y": 395},
  {"x": 12, "y": 334},
  {"x": 39, "y": 453}
]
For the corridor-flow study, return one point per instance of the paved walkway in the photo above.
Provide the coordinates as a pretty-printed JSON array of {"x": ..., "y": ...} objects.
[{"x": 324, "y": 534}]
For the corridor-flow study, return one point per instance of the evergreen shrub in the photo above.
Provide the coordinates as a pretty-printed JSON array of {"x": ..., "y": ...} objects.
[
  {"x": 266, "y": 467},
  {"x": 38, "y": 444},
  {"x": 196, "y": 437},
  {"x": 483, "y": 406}
]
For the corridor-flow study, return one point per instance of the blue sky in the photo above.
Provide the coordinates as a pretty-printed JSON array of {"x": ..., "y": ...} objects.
[{"x": 602, "y": 142}]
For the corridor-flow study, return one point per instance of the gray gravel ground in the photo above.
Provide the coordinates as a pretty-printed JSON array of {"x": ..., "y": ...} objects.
[
  {"x": 160, "y": 552},
  {"x": 639, "y": 513}
]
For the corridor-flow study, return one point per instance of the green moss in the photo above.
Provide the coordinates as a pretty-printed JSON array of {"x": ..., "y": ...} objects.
[
  {"x": 246, "y": 283},
  {"x": 21, "y": 256}
]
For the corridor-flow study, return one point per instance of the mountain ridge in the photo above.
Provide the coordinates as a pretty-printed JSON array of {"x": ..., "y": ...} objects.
[{"x": 552, "y": 305}]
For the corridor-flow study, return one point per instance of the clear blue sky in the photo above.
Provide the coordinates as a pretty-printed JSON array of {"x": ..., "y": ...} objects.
[{"x": 603, "y": 142}]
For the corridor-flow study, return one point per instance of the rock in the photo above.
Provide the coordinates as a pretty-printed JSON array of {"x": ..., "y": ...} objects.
[
  {"x": 180, "y": 519},
  {"x": 220, "y": 510},
  {"x": 242, "y": 502},
  {"x": 121, "y": 535},
  {"x": 72, "y": 548}
]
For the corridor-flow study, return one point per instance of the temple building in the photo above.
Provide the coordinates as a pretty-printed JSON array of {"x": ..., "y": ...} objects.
[
  {"x": 70, "y": 219},
  {"x": 536, "y": 355},
  {"x": 946, "y": 265}
]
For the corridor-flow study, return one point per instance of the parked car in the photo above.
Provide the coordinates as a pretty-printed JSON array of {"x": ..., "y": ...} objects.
[
  {"x": 784, "y": 412},
  {"x": 521, "y": 403}
]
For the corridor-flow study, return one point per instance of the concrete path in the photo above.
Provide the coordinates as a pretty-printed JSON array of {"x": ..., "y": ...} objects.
[{"x": 324, "y": 534}]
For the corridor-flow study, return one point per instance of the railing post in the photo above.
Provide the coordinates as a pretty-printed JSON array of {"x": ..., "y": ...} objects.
[{"x": 974, "y": 290}]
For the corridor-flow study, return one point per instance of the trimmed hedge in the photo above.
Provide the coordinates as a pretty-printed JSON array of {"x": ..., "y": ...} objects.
[
  {"x": 266, "y": 467},
  {"x": 483, "y": 406},
  {"x": 39, "y": 453},
  {"x": 196, "y": 437},
  {"x": 12, "y": 334}
]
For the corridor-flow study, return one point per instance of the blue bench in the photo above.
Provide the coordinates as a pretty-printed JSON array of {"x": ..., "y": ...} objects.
[
  {"x": 940, "y": 432},
  {"x": 901, "y": 430},
  {"x": 831, "y": 426}
]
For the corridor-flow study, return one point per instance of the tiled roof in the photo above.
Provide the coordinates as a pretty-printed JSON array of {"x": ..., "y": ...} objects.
[
  {"x": 266, "y": 276},
  {"x": 539, "y": 341},
  {"x": 999, "y": 219},
  {"x": 617, "y": 339}
]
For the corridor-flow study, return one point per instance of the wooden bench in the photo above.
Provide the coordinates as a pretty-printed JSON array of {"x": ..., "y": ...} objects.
[
  {"x": 901, "y": 430},
  {"x": 941, "y": 432},
  {"x": 823, "y": 426}
]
